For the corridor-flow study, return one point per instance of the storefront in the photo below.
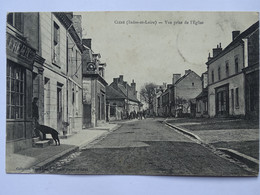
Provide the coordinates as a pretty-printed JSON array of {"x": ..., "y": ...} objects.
[{"x": 19, "y": 71}]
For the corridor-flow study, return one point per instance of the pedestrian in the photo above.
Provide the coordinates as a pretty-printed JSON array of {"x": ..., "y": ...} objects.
[{"x": 144, "y": 114}]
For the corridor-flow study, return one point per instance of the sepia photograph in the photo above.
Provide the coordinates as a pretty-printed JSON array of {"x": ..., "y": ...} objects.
[{"x": 160, "y": 93}]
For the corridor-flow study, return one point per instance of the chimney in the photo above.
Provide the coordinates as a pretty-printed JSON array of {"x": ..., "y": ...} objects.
[
  {"x": 235, "y": 34},
  {"x": 115, "y": 80},
  {"x": 209, "y": 58},
  {"x": 125, "y": 84},
  {"x": 121, "y": 78},
  {"x": 217, "y": 50},
  {"x": 133, "y": 85},
  {"x": 187, "y": 71},
  {"x": 87, "y": 42},
  {"x": 175, "y": 78}
]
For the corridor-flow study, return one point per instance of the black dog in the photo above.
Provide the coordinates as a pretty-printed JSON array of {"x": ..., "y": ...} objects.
[{"x": 48, "y": 130}]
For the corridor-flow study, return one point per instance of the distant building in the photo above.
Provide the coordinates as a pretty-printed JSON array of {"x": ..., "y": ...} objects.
[
  {"x": 176, "y": 98},
  {"x": 233, "y": 75},
  {"x": 122, "y": 98},
  {"x": 94, "y": 87},
  {"x": 157, "y": 100}
]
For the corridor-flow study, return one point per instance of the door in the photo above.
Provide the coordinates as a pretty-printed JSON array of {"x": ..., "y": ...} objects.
[
  {"x": 59, "y": 107},
  {"x": 222, "y": 101}
]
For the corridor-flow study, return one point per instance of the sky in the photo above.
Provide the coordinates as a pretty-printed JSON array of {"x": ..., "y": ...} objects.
[{"x": 152, "y": 52}]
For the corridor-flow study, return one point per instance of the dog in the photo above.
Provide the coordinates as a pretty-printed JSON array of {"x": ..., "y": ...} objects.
[{"x": 48, "y": 130}]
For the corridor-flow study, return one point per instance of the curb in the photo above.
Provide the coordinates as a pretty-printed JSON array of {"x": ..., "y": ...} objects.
[
  {"x": 42, "y": 165},
  {"x": 183, "y": 131},
  {"x": 114, "y": 128},
  {"x": 251, "y": 162}
]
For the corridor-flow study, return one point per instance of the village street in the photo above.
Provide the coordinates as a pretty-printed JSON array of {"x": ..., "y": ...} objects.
[{"x": 146, "y": 147}]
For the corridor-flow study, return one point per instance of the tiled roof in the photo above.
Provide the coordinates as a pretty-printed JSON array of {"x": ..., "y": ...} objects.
[
  {"x": 127, "y": 93},
  {"x": 112, "y": 93}
]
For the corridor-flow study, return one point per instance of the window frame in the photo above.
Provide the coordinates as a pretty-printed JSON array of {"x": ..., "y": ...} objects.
[
  {"x": 56, "y": 44},
  {"x": 15, "y": 21},
  {"x": 15, "y": 92}
]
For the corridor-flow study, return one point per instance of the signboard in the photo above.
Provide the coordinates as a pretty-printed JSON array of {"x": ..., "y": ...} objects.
[{"x": 19, "y": 48}]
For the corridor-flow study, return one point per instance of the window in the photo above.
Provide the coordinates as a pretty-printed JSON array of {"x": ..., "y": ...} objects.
[
  {"x": 192, "y": 84},
  {"x": 237, "y": 97},
  {"x": 15, "y": 91},
  {"x": 15, "y": 19},
  {"x": 212, "y": 76},
  {"x": 56, "y": 44},
  {"x": 236, "y": 65},
  {"x": 227, "y": 69},
  {"x": 219, "y": 74}
]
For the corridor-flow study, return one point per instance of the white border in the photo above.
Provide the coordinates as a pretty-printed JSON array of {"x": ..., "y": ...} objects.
[{"x": 64, "y": 184}]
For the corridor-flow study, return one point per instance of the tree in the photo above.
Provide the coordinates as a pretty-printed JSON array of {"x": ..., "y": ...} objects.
[{"x": 148, "y": 93}]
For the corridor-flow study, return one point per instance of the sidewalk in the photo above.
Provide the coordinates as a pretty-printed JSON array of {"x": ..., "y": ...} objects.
[
  {"x": 33, "y": 159},
  {"x": 238, "y": 138}
]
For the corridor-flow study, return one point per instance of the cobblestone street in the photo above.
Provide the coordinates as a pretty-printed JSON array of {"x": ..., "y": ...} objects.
[{"x": 148, "y": 147}]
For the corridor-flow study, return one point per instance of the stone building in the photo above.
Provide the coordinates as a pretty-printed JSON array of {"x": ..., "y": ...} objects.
[
  {"x": 176, "y": 98},
  {"x": 22, "y": 54},
  {"x": 94, "y": 87},
  {"x": 122, "y": 98},
  {"x": 230, "y": 70},
  {"x": 61, "y": 48}
]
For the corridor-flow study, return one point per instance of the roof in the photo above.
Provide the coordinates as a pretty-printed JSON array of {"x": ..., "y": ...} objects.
[
  {"x": 127, "y": 93},
  {"x": 112, "y": 93},
  {"x": 184, "y": 76},
  {"x": 203, "y": 94},
  {"x": 236, "y": 41},
  {"x": 68, "y": 24}
]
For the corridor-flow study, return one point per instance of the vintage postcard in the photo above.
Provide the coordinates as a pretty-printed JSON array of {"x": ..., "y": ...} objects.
[{"x": 132, "y": 93}]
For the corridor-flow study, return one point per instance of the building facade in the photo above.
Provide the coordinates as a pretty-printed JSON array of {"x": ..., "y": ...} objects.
[
  {"x": 60, "y": 46},
  {"x": 176, "y": 98},
  {"x": 94, "y": 87},
  {"x": 122, "y": 98},
  {"x": 226, "y": 79},
  {"x": 21, "y": 54}
]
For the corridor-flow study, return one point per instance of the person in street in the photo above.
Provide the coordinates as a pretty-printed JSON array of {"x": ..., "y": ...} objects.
[
  {"x": 35, "y": 116},
  {"x": 144, "y": 114}
]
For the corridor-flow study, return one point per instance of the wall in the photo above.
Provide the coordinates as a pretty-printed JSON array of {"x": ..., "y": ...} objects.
[
  {"x": 234, "y": 82},
  {"x": 46, "y": 28},
  {"x": 185, "y": 89},
  {"x": 50, "y": 101},
  {"x": 74, "y": 73},
  {"x": 221, "y": 62},
  {"x": 55, "y": 73}
]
